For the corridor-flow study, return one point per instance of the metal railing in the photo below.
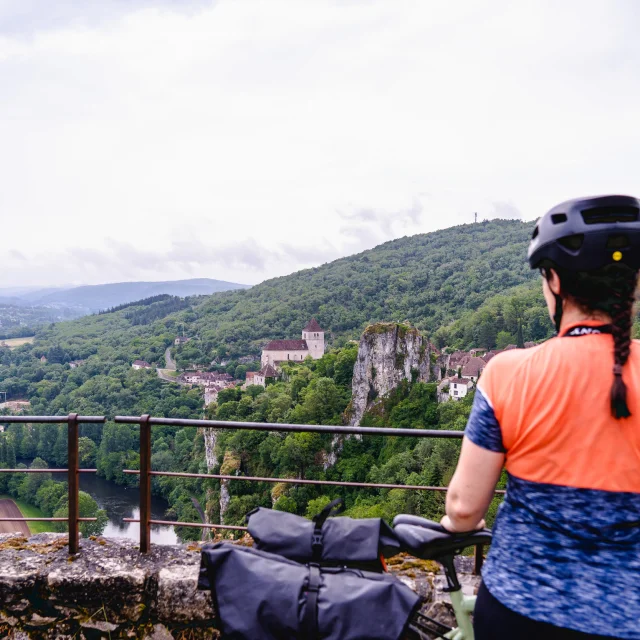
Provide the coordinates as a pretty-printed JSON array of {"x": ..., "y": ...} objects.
[
  {"x": 145, "y": 472},
  {"x": 146, "y": 422},
  {"x": 73, "y": 420}
]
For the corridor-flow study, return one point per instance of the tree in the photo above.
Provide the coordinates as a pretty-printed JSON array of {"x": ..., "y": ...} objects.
[
  {"x": 33, "y": 481},
  {"x": 87, "y": 508},
  {"x": 504, "y": 339},
  {"x": 87, "y": 451}
]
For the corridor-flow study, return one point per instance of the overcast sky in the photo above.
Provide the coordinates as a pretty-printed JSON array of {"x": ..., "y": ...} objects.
[{"x": 243, "y": 139}]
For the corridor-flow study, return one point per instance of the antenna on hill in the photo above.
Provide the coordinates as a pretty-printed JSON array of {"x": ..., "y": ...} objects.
[{"x": 476, "y": 216}]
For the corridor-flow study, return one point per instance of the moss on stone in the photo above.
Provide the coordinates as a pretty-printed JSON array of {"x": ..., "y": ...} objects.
[{"x": 230, "y": 464}]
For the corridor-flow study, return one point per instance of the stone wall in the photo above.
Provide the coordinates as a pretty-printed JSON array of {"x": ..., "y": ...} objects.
[{"x": 110, "y": 590}]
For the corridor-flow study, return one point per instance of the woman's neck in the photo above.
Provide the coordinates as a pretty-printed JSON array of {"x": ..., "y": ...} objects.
[{"x": 572, "y": 314}]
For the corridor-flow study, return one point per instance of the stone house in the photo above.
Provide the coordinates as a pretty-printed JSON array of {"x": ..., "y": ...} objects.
[
  {"x": 473, "y": 368},
  {"x": 181, "y": 340},
  {"x": 261, "y": 377},
  {"x": 311, "y": 344},
  {"x": 459, "y": 387},
  {"x": 141, "y": 364},
  {"x": 250, "y": 379}
]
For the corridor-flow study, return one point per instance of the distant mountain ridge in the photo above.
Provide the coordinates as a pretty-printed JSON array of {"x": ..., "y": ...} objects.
[{"x": 91, "y": 298}]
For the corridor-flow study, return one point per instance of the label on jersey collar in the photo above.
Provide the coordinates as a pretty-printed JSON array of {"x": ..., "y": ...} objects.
[{"x": 584, "y": 330}]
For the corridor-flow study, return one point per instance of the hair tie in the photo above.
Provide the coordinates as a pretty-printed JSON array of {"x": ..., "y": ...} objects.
[{"x": 617, "y": 370}]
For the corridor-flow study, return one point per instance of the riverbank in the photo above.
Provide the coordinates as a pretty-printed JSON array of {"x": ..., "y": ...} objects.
[{"x": 29, "y": 511}]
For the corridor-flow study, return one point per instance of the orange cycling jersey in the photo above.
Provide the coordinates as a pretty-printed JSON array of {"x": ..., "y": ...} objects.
[{"x": 552, "y": 404}]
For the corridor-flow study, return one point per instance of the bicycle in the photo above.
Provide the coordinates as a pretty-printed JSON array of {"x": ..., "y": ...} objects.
[{"x": 428, "y": 540}]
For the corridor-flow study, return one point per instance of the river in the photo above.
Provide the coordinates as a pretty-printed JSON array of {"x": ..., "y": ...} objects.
[{"x": 121, "y": 502}]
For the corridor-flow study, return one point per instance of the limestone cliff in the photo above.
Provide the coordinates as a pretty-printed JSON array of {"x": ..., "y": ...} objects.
[
  {"x": 388, "y": 354},
  {"x": 210, "y": 439},
  {"x": 230, "y": 467}
]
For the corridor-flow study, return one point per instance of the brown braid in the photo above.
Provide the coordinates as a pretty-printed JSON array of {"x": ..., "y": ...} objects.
[
  {"x": 621, "y": 320},
  {"x": 611, "y": 290}
]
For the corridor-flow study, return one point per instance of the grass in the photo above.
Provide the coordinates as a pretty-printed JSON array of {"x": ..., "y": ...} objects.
[
  {"x": 12, "y": 343},
  {"x": 29, "y": 511}
]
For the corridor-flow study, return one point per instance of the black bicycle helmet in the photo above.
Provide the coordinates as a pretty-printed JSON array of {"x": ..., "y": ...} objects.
[{"x": 588, "y": 233}]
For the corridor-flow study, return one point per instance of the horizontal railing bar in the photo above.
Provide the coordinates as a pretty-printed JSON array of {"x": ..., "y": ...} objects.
[
  {"x": 46, "y": 470},
  {"x": 45, "y": 519},
  {"x": 313, "y": 428},
  {"x": 335, "y": 483},
  {"x": 197, "y": 525},
  {"x": 52, "y": 419}
]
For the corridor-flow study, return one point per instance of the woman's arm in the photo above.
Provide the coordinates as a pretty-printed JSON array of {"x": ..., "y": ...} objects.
[{"x": 472, "y": 486}]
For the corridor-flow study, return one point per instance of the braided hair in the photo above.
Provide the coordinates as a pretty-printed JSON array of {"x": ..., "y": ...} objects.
[{"x": 612, "y": 291}]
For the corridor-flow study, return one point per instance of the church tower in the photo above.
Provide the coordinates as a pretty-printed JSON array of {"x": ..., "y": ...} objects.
[{"x": 314, "y": 335}]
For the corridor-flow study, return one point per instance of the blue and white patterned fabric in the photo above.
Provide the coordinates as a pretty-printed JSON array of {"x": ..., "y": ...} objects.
[{"x": 562, "y": 555}]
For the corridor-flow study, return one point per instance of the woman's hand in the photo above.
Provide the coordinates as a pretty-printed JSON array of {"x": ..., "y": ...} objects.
[{"x": 448, "y": 525}]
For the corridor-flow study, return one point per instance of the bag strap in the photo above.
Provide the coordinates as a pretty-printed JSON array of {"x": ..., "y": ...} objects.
[
  {"x": 334, "y": 508},
  {"x": 310, "y": 620}
]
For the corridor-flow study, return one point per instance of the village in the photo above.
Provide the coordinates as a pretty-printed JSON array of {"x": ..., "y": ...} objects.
[
  {"x": 459, "y": 371},
  {"x": 274, "y": 354},
  {"x": 456, "y": 372}
]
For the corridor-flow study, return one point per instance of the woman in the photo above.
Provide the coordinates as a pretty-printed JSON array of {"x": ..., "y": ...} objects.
[{"x": 564, "y": 419}]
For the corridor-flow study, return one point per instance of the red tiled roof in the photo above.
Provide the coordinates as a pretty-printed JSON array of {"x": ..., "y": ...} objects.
[
  {"x": 473, "y": 367},
  {"x": 141, "y": 363},
  {"x": 287, "y": 345},
  {"x": 268, "y": 372},
  {"x": 460, "y": 381},
  {"x": 313, "y": 325}
]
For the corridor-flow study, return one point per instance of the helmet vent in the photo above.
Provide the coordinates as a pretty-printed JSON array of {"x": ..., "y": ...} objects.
[
  {"x": 558, "y": 218},
  {"x": 536, "y": 231},
  {"x": 573, "y": 243},
  {"x": 603, "y": 215},
  {"x": 618, "y": 241}
]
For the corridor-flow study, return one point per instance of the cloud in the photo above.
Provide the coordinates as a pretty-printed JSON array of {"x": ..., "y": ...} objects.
[
  {"x": 367, "y": 226},
  {"x": 153, "y": 139},
  {"x": 506, "y": 211},
  {"x": 24, "y": 18}
]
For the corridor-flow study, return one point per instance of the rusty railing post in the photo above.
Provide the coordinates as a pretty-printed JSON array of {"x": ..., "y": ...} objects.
[
  {"x": 74, "y": 483},
  {"x": 478, "y": 559},
  {"x": 145, "y": 483}
]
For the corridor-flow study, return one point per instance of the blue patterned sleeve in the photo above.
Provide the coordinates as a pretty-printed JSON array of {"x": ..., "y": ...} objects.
[{"x": 483, "y": 427}]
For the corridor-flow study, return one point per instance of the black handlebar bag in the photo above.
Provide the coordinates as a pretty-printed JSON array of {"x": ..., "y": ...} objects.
[
  {"x": 263, "y": 596},
  {"x": 326, "y": 540}
]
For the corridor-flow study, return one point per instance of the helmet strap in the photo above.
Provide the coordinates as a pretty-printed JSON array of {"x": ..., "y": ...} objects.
[{"x": 557, "y": 316}]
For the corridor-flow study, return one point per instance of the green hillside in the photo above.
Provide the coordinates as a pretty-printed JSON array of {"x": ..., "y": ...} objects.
[
  {"x": 462, "y": 285},
  {"x": 428, "y": 279}
]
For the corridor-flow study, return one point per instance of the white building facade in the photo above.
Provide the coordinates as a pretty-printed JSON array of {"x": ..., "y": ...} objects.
[
  {"x": 459, "y": 387},
  {"x": 312, "y": 344}
]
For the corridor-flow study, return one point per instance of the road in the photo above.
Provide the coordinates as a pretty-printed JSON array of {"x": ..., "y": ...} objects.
[
  {"x": 9, "y": 509},
  {"x": 162, "y": 374},
  {"x": 171, "y": 364}
]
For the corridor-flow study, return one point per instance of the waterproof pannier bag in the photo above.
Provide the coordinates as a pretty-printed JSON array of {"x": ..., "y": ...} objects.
[
  {"x": 262, "y": 596},
  {"x": 325, "y": 540}
]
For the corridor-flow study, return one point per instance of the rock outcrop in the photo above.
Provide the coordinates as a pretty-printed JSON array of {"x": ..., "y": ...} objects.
[
  {"x": 230, "y": 467},
  {"x": 210, "y": 439},
  {"x": 388, "y": 354}
]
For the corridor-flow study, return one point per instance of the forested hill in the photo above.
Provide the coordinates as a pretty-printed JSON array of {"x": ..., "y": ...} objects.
[{"x": 429, "y": 279}]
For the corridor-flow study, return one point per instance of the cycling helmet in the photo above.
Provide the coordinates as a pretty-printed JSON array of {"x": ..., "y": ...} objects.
[{"x": 588, "y": 233}]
